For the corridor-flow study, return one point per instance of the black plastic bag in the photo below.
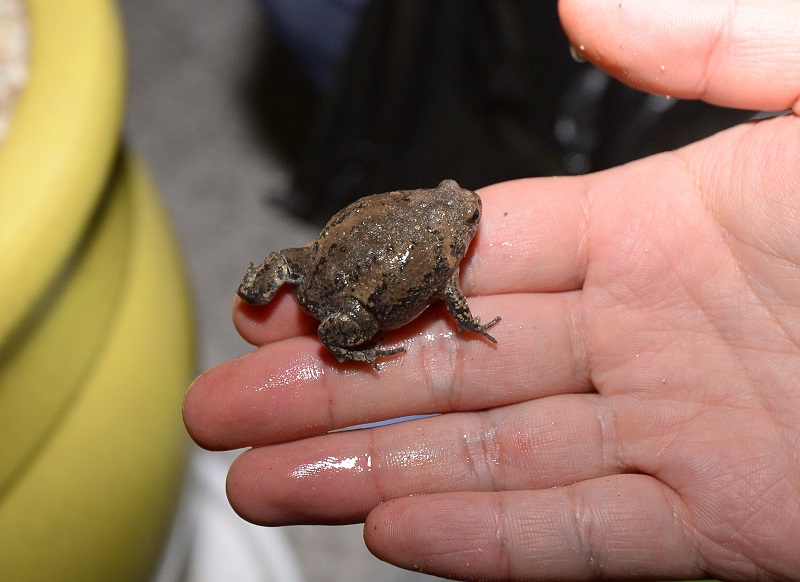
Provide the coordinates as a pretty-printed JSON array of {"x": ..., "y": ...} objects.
[{"x": 478, "y": 91}]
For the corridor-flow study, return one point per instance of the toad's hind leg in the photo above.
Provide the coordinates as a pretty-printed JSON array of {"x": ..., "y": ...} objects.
[
  {"x": 342, "y": 333},
  {"x": 459, "y": 310},
  {"x": 260, "y": 284}
]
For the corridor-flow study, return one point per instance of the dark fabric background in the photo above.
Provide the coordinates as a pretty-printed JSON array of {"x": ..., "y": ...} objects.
[{"x": 479, "y": 91}]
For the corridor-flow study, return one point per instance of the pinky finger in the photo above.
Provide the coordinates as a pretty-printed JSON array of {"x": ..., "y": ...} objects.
[{"x": 620, "y": 527}]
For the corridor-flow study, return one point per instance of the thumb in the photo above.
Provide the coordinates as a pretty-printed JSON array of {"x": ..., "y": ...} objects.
[{"x": 733, "y": 53}]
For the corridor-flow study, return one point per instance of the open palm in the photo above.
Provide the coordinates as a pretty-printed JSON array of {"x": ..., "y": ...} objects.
[{"x": 640, "y": 416}]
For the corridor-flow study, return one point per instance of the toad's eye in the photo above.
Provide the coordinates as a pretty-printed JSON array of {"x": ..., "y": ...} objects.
[{"x": 476, "y": 216}]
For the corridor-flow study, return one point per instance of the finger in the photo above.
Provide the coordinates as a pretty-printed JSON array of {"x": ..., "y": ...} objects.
[
  {"x": 531, "y": 239},
  {"x": 340, "y": 477},
  {"x": 736, "y": 54},
  {"x": 294, "y": 388},
  {"x": 281, "y": 318},
  {"x": 620, "y": 527}
]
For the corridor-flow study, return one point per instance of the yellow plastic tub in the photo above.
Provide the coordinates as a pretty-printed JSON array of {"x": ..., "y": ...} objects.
[{"x": 96, "y": 336}]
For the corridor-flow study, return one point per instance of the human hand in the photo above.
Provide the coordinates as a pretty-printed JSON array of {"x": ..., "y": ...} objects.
[{"x": 640, "y": 416}]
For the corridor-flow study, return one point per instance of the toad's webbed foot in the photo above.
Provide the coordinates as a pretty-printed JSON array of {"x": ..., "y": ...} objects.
[
  {"x": 368, "y": 355},
  {"x": 261, "y": 283}
]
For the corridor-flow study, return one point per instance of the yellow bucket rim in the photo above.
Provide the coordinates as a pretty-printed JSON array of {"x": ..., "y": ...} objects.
[{"x": 62, "y": 138}]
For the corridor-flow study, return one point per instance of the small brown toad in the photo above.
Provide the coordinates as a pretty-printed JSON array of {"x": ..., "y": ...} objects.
[{"x": 376, "y": 266}]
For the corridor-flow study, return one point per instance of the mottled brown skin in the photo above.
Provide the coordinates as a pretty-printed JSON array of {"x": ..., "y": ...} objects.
[{"x": 376, "y": 266}]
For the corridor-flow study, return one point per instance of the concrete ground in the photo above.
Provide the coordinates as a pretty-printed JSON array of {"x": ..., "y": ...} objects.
[{"x": 196, "y": 115}]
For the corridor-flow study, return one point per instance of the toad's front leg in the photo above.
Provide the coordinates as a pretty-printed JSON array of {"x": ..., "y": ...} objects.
[
  {"x": 343, "y": 332},
  {"x": 459, "y": 310}
]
